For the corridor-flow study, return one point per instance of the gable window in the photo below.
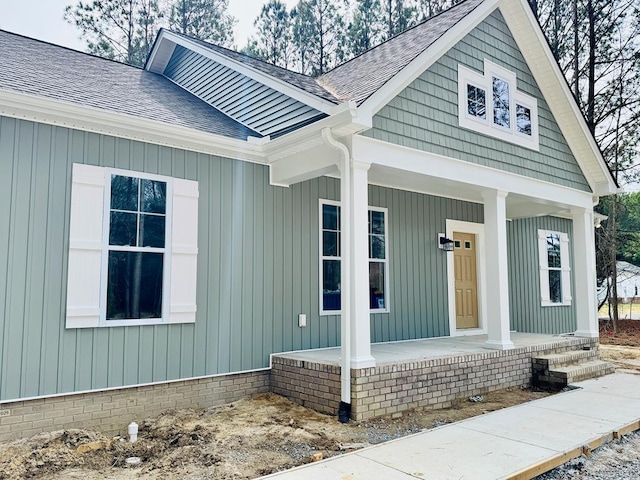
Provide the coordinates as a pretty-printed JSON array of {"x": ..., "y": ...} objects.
[
  {"x": 501, "y": 112},
  {"x": 555, "y": 271},
  {"x": 476, "y": 101},
  {"x": 132, "y": 248},
  {"x": 330, "y": 259},
  {"x": 513, "y": 115}
]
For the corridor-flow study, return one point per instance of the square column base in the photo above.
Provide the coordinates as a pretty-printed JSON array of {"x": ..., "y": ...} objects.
[
  {"x": 363, "y": 362},
  {"x": 586, "y": 334},
  {"x": 497, "y": 345}
]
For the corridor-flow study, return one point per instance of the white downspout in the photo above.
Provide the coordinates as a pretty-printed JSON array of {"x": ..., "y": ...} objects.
[{"x": 345, "y": 270}]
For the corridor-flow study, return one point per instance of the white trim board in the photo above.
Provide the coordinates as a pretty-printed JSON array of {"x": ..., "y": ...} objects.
[
  {"x": 478, "y": 230},
  {"x": 378, "y": 152}
]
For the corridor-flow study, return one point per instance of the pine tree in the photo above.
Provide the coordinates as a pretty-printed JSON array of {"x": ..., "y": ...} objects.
[
  {"x": 206, "y": 20},
  {"x": 318, "y": 33},
  {"x": 118, "y": 29},
  {"x": 398, "y": 15},
  {"x": 274, "y": 35},
  {"x": 365, "y": 30}
]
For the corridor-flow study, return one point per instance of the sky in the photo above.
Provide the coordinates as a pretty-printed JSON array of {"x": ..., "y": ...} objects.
[{"x": 42, "y": 19}]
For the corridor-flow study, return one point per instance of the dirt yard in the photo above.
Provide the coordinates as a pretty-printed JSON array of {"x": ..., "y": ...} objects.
[
  {"x": 621, "y": 349},
  {"x": 242, "y": 440}
]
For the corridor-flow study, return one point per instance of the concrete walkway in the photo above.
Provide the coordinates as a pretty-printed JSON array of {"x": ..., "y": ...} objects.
[{"x": 515, "y": 443}]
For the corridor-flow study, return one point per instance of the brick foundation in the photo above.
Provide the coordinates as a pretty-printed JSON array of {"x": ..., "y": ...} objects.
[
  {"x": 111, "y": 411},
  {"x": 431, "y": 383}
]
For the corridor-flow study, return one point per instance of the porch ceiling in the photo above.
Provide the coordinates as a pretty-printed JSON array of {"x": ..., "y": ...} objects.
[
  {"x": 416, "y": 350},
  {"x": 518, "y": 206}
]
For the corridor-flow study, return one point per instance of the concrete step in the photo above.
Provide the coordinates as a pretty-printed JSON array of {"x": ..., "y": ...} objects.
[
  {"x": 562, "y": 376},
  {"x": 553, "y": 360}
]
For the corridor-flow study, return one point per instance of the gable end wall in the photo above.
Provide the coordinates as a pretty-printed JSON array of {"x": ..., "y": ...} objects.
[{"x": 424, "y": 116}]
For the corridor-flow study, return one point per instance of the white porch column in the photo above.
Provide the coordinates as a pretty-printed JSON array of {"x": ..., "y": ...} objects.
[
  {"x": 495, "y": 224},
  {"x": 359, "y": 265},
  {"x": 584, "y": 254}
]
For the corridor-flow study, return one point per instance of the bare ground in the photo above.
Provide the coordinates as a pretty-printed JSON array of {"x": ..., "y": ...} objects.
[{"x": 242, "y": 440}]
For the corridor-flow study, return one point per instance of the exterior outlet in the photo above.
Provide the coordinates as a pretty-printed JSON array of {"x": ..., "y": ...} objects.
[
  {"x": 302, "y": 320},
  {"x": 5, "y": 413}
]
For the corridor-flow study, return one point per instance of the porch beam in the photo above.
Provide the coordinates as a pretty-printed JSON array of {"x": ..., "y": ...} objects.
[
  {"x": 585, "y": 272},
  {"x": 495, "y": 221},
  {"x": 359, "y": 265}
]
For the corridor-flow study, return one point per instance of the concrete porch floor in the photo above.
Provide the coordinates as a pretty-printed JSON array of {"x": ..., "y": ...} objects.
[{"x": 428, "y": 348}]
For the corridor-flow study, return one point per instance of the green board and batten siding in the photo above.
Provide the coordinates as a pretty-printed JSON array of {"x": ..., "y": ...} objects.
[
  {"x": 526, "y": 312},
  {"x": 257, "y": 267},
  {"x": 424, "y": 116}
]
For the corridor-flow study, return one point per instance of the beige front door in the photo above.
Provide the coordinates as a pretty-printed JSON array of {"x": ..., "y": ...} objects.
[{"x": 466, "y": 280}]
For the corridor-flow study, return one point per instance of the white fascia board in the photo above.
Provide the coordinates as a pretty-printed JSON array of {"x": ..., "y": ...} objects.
[
  {"x": 387, "y": 154},
  {"x": 427, "y": 58},
  {"x": 311, "y": 135},
  {"x": 286, "y": 88},
  {"x": 91, "y": 119},
  {"x": 554, "y": 87}
]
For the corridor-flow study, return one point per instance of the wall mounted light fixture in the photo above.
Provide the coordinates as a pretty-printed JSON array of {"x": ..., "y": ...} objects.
[{"x": 445, "y": 243}]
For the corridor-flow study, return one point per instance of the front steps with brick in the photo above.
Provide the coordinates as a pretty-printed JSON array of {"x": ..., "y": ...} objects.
[{"x": 557, "y": 370}]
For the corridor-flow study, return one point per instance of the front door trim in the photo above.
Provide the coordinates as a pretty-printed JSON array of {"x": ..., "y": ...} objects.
[{"x": 478, "y": 230}]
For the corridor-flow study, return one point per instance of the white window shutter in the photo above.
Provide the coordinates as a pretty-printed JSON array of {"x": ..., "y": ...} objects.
[
  {"x": 566, "y": 269},
  {"x": 85, "y": 246},
  {"x": 184, "y": 251},
  {"x": 544, "y": 267}
]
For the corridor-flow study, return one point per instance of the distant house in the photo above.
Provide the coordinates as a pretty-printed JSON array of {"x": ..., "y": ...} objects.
[
  {"x": 165, "y": 230},
  {"x": 628, "y": 284}
]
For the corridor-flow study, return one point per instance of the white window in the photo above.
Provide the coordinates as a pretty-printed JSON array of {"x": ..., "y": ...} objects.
[
  {"x": 555, "y": 270},
  {"x": 132, "y": 249},
  {"x": 330, "y": 259},
  {"x": 511, "y": 114}
]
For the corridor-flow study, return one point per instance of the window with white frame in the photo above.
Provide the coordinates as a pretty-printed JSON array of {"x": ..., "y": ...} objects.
[
  {"x": 330, "y": 259},
  {"x": 555, "y": 270},
  {"x": 132, "y": 248},
  {"x": 508, "y": 114}
]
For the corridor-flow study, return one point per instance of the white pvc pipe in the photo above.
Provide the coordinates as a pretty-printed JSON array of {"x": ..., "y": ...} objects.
[{"x": 345, "y": 270}]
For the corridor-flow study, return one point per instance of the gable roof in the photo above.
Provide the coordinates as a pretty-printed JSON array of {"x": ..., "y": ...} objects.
[
  {"x": 299, "y": 80},
  {"x": 363, "y": 75},
  {"x": 42, "y": 69}
]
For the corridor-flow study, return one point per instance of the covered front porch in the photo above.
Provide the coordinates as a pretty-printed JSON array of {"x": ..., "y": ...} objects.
[{"x": 425, "y": 373}]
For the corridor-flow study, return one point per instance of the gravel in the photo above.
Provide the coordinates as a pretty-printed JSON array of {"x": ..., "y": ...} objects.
[{"x": 617, "y": 460}]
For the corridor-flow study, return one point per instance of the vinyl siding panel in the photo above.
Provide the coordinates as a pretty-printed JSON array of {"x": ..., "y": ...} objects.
[
  {"x": 424, "y": 116},
  {"x": 526, "y": 312},
  {"x": 267, "y": 112},
  {"x": 258, "y": 267}
]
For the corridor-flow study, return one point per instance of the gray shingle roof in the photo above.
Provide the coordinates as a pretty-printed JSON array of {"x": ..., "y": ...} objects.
[
  {"x": 362, "y": 76},
  {"x": 42, "y": 69},
  {"x": 303, "y": 82}
]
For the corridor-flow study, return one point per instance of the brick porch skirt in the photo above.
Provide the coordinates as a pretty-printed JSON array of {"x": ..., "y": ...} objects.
[{"x": 392, "y": 388}]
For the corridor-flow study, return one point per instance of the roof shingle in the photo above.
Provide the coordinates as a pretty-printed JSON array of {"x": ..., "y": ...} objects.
[{"x": 42, "y": 69}]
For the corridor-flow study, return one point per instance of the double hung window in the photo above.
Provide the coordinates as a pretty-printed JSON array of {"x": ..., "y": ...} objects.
[
  {"x": 330, "y": 259},
  {"x": 555, "y": 271},
  {"x": 132, "y": 248}
]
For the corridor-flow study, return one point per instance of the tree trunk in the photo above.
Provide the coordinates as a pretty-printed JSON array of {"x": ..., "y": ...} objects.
[{"x": 591, "y": 14}]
